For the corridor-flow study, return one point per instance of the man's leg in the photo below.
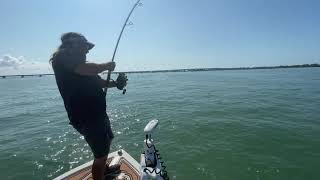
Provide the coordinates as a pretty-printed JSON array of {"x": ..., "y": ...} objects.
[
  {"x": 99, "y": 138},
  {"x": 98, "y": 168},
  {"x": 99, "y": 142}
]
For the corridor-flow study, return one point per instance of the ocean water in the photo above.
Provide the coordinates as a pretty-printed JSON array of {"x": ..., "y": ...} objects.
[{"x": 218, "y": 125}]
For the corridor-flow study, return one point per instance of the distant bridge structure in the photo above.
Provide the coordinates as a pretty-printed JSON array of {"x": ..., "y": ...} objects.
[{"x": 25, "y": 75}]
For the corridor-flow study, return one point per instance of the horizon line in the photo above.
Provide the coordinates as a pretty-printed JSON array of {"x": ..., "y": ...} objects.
[{"x": 187, "y": 70}]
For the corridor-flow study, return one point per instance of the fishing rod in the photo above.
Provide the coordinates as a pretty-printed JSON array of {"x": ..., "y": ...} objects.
[{"x": 115, "y": 49}]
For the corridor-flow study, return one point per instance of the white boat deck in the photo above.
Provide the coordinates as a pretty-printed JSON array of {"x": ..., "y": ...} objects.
[{"x": 130, "y": 169}]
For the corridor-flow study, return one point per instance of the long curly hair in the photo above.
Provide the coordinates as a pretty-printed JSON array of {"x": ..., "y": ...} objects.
[{"x": 66, "y": 44}]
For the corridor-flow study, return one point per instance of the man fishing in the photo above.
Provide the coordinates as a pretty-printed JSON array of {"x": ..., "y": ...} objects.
[{"x": 82, "y": 91}]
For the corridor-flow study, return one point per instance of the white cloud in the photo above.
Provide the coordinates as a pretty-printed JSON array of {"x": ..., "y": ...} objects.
[
  {"x": 10, "y": 65},
  {"x": 10, "y": 61}
]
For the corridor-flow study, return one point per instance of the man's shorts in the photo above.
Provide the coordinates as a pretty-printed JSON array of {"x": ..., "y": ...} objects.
[{"x": 98, "y": 135}]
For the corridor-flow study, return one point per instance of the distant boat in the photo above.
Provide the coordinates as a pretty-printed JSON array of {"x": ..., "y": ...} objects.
[{"x": 150, "y": 166}]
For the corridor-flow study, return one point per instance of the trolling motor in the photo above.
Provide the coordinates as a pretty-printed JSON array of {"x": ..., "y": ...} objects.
[{"x": 151, "y": 165}]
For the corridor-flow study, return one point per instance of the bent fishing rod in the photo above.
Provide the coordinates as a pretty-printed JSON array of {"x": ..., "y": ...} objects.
[{"x": 115, "y": 49}]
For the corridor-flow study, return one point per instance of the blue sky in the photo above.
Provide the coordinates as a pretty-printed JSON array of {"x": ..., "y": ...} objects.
[{"x": 166, "y": 34}]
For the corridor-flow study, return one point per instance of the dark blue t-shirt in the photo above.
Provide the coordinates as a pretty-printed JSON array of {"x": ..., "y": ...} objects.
[{"x": 83, "y": 96}]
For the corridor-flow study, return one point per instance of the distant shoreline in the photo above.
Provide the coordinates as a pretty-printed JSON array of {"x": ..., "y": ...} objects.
[
  {"x": 188, "y": 70},
  {"x": 224, "y": 69}
]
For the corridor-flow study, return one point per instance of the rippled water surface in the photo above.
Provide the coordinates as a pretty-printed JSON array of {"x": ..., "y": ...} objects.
[{"x": 224, "y": 125}]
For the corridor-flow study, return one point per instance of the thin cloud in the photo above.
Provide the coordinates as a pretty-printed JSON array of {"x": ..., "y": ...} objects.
[{"x": 10, "y": 65}]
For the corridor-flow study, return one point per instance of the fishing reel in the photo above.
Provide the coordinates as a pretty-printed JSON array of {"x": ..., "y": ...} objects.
[{"x": 122, "y": 82}]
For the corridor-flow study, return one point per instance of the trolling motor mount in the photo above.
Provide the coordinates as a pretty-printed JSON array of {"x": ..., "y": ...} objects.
[{"x": 150, "y": 161}]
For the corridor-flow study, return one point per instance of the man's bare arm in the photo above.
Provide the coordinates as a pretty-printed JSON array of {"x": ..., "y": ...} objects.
[{"x": 89, "y": 69}]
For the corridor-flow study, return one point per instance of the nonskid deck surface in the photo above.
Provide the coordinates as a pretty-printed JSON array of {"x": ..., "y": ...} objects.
[{"x": 128, "y": 166}]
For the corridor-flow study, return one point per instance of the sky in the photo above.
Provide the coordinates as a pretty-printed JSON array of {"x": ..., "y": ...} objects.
[{"x": 166, "y": 34}]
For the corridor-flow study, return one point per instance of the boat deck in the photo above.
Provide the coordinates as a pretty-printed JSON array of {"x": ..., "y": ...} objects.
[{"x": 128, "y": 166}]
